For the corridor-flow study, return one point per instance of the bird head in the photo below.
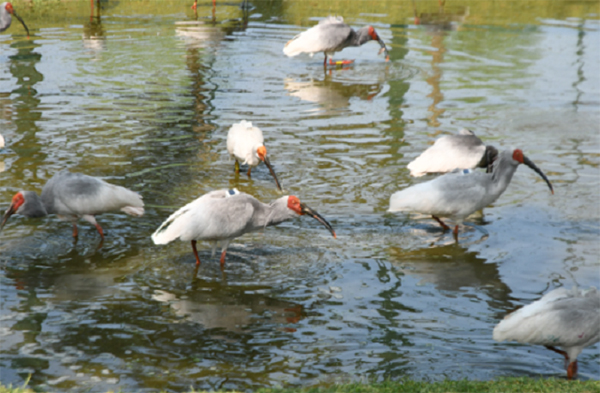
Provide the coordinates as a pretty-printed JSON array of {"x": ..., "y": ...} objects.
[
  {"x": 374, "y": 36},
  {"x": 522, "y": 159},
  {"x": 9, "y": 8},
  {"x": 261, "y": 152},
  {"x": 17, "y": 201},
  {"x": 301, "y": 209}
]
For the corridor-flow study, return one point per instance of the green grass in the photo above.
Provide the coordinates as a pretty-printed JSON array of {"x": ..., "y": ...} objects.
[{"x": 501, "y": 385}]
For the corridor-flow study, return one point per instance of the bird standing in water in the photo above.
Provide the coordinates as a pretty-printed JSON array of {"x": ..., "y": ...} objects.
[
  {"x": 462, "y": 192},
  {"x": 223, "y": 215},
  {"x": 245, "y": 144},
  {"x": 72, "y": 196},
  {"x": 329, "y": 36},
  {"x": 565, "y": 318}
]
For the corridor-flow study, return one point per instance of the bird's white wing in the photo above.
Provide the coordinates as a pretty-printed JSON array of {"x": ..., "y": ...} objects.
[
  {"x": 450, "y": 152},
  {"x": 567, "y": 318},
  {"x": 451, "y": 195},
  {"x": 217, "y": 215},
  {"x": 242, "y": 139},
  {"x": 327, "y": 36},
  {"x": 77, "y": 194}
]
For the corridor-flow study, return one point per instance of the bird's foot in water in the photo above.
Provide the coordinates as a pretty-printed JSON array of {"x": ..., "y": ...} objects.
[{"x": 340, "y": 62}]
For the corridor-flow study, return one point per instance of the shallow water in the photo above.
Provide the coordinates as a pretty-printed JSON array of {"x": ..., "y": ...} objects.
[{"x": 143, "y": 96}]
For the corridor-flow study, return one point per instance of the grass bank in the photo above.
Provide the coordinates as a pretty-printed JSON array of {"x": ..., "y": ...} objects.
[{"x": 501, "y": 385}]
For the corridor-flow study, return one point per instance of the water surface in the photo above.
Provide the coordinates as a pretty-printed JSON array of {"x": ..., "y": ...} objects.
[{"x": 142, "y": 94}]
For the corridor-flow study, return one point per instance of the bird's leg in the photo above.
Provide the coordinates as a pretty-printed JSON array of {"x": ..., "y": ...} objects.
[
  {"x": 566, "y": 355},
  {"x": 195, "y": 5},
  {"x": 223, "y": 259},
  {"x": 237, "y": 166},
  {"x": 572, "y": 370},
  {"x": 195, "y": 253},
  {"x": 455, "y": 233},
  {"x": 100, "y": 231},
  {"x": 74, "y": 229},
  {"x": 249, "y": 170},
  {"x": 446, "y": 227}
]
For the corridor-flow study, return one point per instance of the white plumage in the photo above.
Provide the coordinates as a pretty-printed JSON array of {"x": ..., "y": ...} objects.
[
  {"x": 450, "y": 152},
  {"x": 222, "y": 215},
  {"x": 331, "y": 35},
  {"x": 245, "y": 144},
  {"x": 72, "y": 196},
  {"x": 1, "y": 141},
  {"x": 462, "y": 192},
  {"x": 565, "y": 318}
]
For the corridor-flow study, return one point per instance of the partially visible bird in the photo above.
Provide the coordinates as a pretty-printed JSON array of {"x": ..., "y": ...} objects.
[
  {"x": 245, "y": 144},
  {"x": 565, "y": 318},
  {"x": 1, "y": 141},
  {"x": 72, "y": 196},
  {"x": 6, "y": 10},
  {"x": 329, "y": 36},
  {"x": 450, "y": 152},
  {"x": 458, "y": 194},
  {"x": 222, "y": 215}
]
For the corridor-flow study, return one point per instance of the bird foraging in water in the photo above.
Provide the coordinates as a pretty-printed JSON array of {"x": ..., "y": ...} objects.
[
  {"x": 72, "y": 196},
  {"x": 565, "y": 318},
  {"x": 223, "y": 215},
  {"x": 6, "y": 10},
  {"x": 245, "y": 144},
  {"x": 462, "y": 192},
  {"x": 332, "y": 35},
  {"x": 450, "y": 152}
]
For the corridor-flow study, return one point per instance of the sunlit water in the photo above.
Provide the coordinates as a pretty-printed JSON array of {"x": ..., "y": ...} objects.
[{"x": 144, "y": 98}]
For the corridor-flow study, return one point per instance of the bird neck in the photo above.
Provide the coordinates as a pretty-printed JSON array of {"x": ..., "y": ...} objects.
[
  {"x": 33, "y": 206},
  {"x": 502, "y": 173},
  {"x": 275, "y": 213}
]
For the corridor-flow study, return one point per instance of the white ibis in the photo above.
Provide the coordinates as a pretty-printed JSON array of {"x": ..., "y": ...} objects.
[
  {"x": 246, "y": 145},
  {"x": 6, "y": 10},
  {"x": 458, "y": 194},
  {"x": 329, "y": 36},
  {"x": 565, "y": 318},
  {"x": 72, "y": 196},
  {"x": 450, "y": 152},
  {"x": 1, "y": 141},
  {"x": 223, "y": 215}
]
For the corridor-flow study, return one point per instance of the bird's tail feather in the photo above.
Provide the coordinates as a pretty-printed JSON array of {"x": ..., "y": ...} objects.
[{"x": 133, "y": 211}]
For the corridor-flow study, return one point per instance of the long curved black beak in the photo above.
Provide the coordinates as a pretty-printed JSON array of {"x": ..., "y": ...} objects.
[
  {"x": 23, "y": 23},
  {"x": 9, "y": 212},
  {"x": 383, "y": 48},
  {"x": 530, "y": 164},
  {"x": 307, "y": 210},
  {"x": 268, "y": 164}
]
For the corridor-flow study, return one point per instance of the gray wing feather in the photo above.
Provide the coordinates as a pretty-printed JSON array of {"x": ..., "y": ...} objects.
[{"x": 76, "y": 194}]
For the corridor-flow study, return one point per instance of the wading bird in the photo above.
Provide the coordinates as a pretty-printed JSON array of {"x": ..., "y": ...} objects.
[
  {"x": 562, "y": 318},
  {"x": 246, "y": 145},
  {"x": 458, "y": 194},
  {"x": 450, "y": 152},
  {"x": 1, "y": 141},
  {"x": 6, "y": 10},
  {"x": 329, "y": 36},
  {"x": 72, "y": 196},
  {"x": 223, "y": 215}
]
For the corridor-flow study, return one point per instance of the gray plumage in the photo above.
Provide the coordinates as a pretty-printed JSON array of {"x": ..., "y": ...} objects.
[
  {"x": 462, "y": 192},
  {"x": 222, "y": 215},
  {"x": 462, "y": 151},
  {"x": 565, "y": 318},
  {"x": 329, "y": 36},
  {"x": 6, "y": 13},
  {"x": 74, "y": 195}
]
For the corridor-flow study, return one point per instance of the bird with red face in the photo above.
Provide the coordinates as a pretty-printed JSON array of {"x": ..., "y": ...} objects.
[{"x": 221, "y": 216}]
